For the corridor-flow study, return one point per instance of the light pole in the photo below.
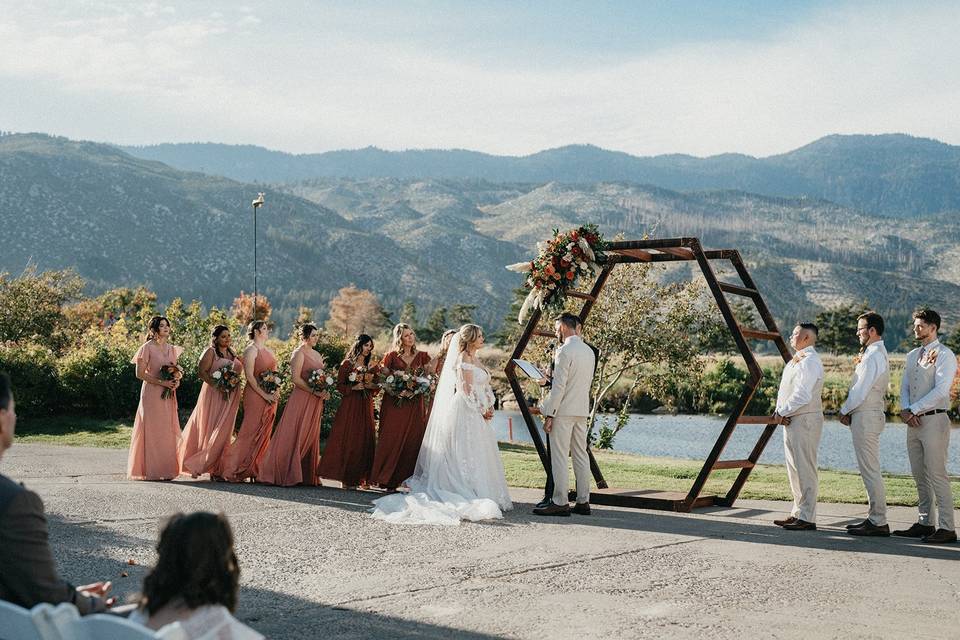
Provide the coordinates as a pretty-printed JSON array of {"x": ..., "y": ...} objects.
[{"x": 257, "y": 203}]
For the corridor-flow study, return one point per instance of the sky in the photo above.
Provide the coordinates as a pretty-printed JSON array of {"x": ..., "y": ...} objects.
[{"x": 512, "y": 77}]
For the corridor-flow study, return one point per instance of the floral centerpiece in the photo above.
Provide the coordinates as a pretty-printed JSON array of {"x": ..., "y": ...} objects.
[
  {"x": 227, "y": 379},
  {"x": 561, "y": 261},
  {"x": 170, "y": 372}
]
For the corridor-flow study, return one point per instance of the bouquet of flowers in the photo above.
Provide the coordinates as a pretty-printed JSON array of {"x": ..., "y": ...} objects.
[
  {"x": 403, "y": 385},
  {"x": 170, "y": 372},
  {"x": 270, "y": 381},
  {"x": 320, "y": 381},
  {"x": 227, "y": 378},
  {"x": 560, "y": 262}
]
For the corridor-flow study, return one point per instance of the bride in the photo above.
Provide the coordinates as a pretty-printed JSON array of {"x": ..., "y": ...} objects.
[{"x": 459, "y": 474}]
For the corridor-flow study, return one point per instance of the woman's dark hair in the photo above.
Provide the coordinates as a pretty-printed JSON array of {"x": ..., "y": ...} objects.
[
  {"x": 196, "y": 563},
  {"x": 153, "y": 327},
  {"x": 255, "y": 326},
  {"x": 214, "y": 335},
  {"x": 357, "y": 348},
  {"x": 307, "y": 330}
]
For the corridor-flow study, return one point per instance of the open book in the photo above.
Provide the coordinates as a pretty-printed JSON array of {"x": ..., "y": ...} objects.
[{"x": 530, "y": 369}]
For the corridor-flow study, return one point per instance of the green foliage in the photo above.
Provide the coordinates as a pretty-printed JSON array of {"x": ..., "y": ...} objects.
[
  {"x": 33, "y": 374},
  {"x": 837, "y": 327},
  {"x": 434, "y": 327},
  {"x": 31, "y": 304},
  {"x": 98, "y": 378}
]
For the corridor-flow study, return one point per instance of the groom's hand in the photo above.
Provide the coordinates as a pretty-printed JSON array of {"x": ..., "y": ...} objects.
[{"x": 548, "y": 424}]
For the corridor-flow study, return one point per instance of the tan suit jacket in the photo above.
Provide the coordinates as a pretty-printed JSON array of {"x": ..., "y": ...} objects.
[{"x": 28, "y": 575}]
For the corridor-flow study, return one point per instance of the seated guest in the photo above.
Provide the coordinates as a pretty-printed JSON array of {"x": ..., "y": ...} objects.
[
  {"x": 195, "y": 581},
  {"x": 28, "y": 575}
]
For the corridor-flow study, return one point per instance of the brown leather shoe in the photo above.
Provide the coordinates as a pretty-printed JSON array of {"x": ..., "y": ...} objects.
[
  {"x": 785, "y": 521},
  {"x": 870, "y": 529},
  {"x": 581, "y": 508},
  {"x": 800, "y": 525},
  {"x": 916, "y": 530},
  {"x": 940, "y": 536},
  {"x": 553, "y": 510},
  {"x": 858, "y": 524}
]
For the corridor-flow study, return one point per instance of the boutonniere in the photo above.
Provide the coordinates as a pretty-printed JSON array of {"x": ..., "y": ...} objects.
[
  {"x": 930, "y": 358},
  {"x": 857, "y": 359},
  {"x": 800, "y": 355}
]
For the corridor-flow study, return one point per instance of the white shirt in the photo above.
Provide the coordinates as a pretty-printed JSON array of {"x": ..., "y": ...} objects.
[
  {"x": 800, "y": 376},
  {"x": 872, "y": 365},
  {"x": 939, "y": 396}
]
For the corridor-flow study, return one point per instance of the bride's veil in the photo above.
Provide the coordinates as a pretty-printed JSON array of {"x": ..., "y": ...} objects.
[{"x": 436, "y": 438}]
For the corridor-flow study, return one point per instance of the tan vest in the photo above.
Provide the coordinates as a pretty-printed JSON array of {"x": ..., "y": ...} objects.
[
  {"x": 922, "y": 377},
  {"x": 876, "y": 399},
  {"x": 816, "y": 401}
]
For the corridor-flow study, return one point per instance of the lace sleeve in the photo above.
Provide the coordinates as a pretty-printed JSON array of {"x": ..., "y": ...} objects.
[{"x": 470, "y": 389}]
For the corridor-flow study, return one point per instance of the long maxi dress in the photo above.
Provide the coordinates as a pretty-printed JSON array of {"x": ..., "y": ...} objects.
[
  {"x": 210, "y": 427},
  {"x": 242, "y": 459},
  {"x": 156, "y": 429},
  {"x": 348, "y": 456},
  {"x": 294, "y": 452},
  {"x": 401, "y": 429}
]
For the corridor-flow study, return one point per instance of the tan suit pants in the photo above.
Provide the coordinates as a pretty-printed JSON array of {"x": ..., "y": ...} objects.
[
  {"x": 866, "y": 427},
  {"x": 927, "y": 447},
  {"x": 801, "y": 441},
  {"x": 569, "y": 438}
]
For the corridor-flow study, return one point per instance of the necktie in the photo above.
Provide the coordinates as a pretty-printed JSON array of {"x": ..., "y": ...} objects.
[{"x": 923, "y": 351}]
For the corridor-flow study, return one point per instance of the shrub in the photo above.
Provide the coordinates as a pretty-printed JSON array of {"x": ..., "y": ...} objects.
[
  {"x": 33, "y": 375},
  {"x": 99, "y": 378}
]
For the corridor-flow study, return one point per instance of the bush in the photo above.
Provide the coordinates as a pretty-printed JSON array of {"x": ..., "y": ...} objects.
[
  {"x": 33, "y": 375},
  {"x": 98, "y": 377}
]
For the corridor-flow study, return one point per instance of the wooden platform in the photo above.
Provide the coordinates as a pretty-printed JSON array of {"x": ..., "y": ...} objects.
[{"x": 649, "y": 499}]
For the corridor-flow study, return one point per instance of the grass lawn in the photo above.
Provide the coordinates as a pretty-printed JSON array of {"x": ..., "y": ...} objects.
[{"x": 621, "y": 470}]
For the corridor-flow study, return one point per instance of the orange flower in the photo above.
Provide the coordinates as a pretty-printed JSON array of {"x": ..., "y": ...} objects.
[{"x": 570, "y": 275}]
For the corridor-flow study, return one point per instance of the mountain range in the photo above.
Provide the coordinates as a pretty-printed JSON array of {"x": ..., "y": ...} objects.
[
  {"x": 125, "y": 220},
  {"x": 891, "y": 174}
]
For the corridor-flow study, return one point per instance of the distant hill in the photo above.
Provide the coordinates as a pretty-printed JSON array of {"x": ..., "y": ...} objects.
[{"x": 893, "y": 174}]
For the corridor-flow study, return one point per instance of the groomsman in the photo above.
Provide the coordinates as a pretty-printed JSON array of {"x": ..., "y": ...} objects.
[
  {"x": 800, "y": 411},
  {"x": 864, "y": 412},
  {"x": 924, "y": 398}
]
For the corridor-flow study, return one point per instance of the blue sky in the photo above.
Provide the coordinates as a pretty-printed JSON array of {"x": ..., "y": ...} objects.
[{"x": 504, "y": 77}]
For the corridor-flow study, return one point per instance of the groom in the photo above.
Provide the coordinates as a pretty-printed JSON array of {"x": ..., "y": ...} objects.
[{"x": 566, "y": 410}]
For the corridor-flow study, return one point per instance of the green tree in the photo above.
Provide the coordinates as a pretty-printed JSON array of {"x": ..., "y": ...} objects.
[
  {"x": 32, "y": 304},
  {"x": 837, "y": 328},
  {"x": 433, "y": 328},
  {"x": 408, "y": 313},
  {"x": 461, "y": 314}
]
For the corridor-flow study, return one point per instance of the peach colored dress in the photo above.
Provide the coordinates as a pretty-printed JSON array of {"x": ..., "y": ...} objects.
[
  {"x": 156, "y": 429},
  {"x": 210, "y": 427},
  {"x": 294, "y": 451},
  {"x": 244, "y": 456}
]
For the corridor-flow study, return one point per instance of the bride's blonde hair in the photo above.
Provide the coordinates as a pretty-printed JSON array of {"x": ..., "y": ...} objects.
[{"x": 468, "y": 334}]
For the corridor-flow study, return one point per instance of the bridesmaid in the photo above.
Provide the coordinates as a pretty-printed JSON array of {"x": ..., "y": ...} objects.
[
  {"x": 401, "y": 427},
  {"x": 294, "y": 453},
  {"x": 243, "y": 457},
  {"x": 156, "y": 429},
  {"x": 210, "y": 427},
  {"x": 349, "y": 453}
]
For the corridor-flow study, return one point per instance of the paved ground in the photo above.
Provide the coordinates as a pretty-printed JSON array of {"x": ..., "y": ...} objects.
[{"x": 315, "y": 565}]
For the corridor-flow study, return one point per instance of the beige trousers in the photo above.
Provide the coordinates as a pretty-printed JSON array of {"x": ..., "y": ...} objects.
[
  {"x": 569, "y": 438},
  {"x": 801, "y": 440},
  {"x": 866, "y": 427},
  {"x": 927, "y": 447}
]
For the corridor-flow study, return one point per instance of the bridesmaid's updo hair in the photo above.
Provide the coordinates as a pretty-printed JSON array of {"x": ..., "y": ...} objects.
[
  {"x": 255, "y": 326},
  {"x": 214, "y": 335},
  {"x": 306, "y": 331},
  {"x": 195, "y": 563},
  {"x": 398, "y": 338},
  {"x": 153, "y": 327},
  {"x": 357, "y": 349},
  {"x": 468, "y": 335}
]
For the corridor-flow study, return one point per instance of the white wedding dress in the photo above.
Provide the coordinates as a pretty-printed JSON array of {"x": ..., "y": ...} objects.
[{"x": 459, "y": 474}]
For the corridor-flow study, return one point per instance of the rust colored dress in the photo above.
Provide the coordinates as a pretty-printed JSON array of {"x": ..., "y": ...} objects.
[
  {"x": 210, "y": 427},
  {"x": 350, "y": 447},
  {"x": 156, "y": 429},
  {"x": 243, "y": 457},
  {"x": 294, "y": 451},
  {"x": 401, "y": 429}
]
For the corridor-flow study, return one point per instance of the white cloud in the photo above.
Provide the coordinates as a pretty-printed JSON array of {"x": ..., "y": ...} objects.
[{"x": 231, "y": 78}]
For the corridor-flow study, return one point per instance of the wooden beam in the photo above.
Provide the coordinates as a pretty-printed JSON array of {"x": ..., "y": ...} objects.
[{"x": 639, "y": 254}]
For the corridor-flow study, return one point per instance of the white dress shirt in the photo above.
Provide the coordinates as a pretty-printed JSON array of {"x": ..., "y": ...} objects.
[
  {"x": 946, "y": 368},
  {"x": 800, "y": 377},
  {"x": 872, "y": 365}
]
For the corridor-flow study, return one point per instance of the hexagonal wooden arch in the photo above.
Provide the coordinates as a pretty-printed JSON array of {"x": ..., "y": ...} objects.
[{"x": 672, "y": 250}]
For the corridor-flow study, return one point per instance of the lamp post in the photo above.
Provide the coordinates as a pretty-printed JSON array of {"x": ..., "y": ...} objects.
[{"x": 257, "y": 203}]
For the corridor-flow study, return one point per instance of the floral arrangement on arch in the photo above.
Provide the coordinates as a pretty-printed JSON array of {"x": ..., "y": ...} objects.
[{"x": 561, "y": 261}]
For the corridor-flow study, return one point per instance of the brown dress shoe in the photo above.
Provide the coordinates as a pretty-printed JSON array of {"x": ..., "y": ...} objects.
[
  {"x": 870, "y": 529},
  {"x": 581, "y": 508},
  {"x": 858, "y": 524},
  {"x": 800, "y": 525},
  {"x": 553, "y": 510},
  {"x": 940, "y": 536},
  {"x": 916, "y": 530},
  {"x": 785, "y": 521}
]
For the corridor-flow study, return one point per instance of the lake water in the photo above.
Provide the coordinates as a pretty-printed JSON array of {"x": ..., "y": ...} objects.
[{"x": 693, "y": 437}]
